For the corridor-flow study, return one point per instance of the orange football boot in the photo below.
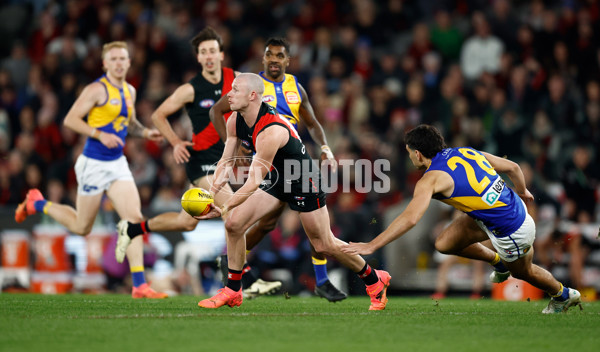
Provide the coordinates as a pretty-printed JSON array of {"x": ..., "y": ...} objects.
[{"x": 27, "y": 207}]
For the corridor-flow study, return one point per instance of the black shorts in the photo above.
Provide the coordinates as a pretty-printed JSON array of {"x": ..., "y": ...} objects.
[
  {"x": 201, "y": 163},
  {"x": 299, "y": 199}
]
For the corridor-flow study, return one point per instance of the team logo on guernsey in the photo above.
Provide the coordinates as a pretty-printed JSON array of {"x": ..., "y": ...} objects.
[
  {"x": 292, "y": 98},
  {"x": 493, "y": 193},
  {"x": 115, "y": 101},
  {"x": 268, "y": 98},
  {"x": 207, "y": 103}
]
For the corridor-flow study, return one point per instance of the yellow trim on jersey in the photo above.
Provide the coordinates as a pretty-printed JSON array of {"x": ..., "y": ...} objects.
[
  {"x": 110, "y": 111},
  {"x": 468, "y": 204}
]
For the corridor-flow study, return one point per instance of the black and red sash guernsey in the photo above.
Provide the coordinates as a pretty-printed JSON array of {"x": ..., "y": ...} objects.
[
  {"x": 205, "y": 95},
  {"x": 268, "y": 116}
]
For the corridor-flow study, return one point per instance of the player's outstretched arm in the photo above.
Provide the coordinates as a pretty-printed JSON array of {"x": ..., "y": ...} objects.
[
  {"x": 182, "y": 95},
  {"x": 93, "y": 94},
  {"x": 423, "y": 193}
]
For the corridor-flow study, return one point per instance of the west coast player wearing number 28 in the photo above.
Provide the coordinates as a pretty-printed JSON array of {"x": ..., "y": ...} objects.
[{"x": 468, "y": 180}]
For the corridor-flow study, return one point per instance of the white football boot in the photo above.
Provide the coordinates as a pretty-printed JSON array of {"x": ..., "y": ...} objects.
[
  {"x": 555, "y": 306},
  {"x": 122, "y": 241}
]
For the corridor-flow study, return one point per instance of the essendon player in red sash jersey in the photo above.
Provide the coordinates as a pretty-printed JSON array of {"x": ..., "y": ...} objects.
[
  {"x": 202, "y": 153},
  {"x": 207, "y": 146},
  {"x": 277, "y": 145},
  {"x": 312, "y": 198}
]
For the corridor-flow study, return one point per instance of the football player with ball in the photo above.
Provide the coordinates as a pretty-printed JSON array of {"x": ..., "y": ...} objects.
[{"x": 276, "y": 143}]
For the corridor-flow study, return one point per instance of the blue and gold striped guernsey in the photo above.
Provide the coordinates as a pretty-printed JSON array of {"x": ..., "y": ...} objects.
[
  {"x": 479, "y": 191},
  {"x": 112, "y": 116},
  {"x": 284, "y": 96}
]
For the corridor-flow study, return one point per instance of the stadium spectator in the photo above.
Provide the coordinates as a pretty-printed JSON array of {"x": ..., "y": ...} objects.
[{"x": 482, "y": 51}]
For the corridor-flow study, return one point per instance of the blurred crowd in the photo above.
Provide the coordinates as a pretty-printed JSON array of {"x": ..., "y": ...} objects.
[{"x": 519, "y": 79}]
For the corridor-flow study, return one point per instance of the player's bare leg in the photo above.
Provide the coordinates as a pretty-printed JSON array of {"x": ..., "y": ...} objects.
[
  {"x": 318, "y": 229},
  {"x": 236, "y": 224},
  {"x": 81, "y": 219},
  {"x": 126, "y": 200},
  {"x": 562, "y": 297}
]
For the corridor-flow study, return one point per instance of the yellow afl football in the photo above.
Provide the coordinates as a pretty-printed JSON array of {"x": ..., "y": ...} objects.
[{"x": 195, "y": 201}]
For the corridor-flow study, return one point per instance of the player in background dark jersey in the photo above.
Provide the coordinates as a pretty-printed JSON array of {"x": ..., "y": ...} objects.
[
  {"x": 277, "y": 146},
  {"x": 202, "y": 153},
  {"x": 286, "y": 94}
]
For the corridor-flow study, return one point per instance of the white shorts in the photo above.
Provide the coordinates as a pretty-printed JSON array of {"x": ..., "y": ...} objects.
[
  {"x": 516, "y": 245},
  {"x": 95, "y": 176}
]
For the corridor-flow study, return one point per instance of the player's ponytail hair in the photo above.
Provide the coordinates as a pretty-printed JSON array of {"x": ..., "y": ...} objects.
[{"x": 426, "y": 139}]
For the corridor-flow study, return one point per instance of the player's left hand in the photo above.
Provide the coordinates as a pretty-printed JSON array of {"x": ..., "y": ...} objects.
[
  {"x": 357, "y": 248},
  {"x": 153, "y": 134},
  {"x": 527, "y": 197},
  {"x": 327, "y": 158},
  {"x": 215, "y": 212}
]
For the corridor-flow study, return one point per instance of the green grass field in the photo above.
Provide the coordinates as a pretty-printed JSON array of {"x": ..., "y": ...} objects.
[{"x": 118, "y": 323}]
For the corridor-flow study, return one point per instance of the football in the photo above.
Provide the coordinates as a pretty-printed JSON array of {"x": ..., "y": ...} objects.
[{"x": 195, "y": 201}]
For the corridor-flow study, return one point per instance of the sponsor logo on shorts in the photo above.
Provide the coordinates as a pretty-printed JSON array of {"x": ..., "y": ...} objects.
[
  {"x": 212, "y": 167},
  {"x": 89, "y": 188},
  {"x": 207, "y": 103},
  {"x": 299, "y": 198}
]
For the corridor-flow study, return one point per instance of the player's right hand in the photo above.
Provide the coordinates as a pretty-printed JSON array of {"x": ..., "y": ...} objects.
[
  {"x": 110, "y": 140},
  {"x": 180, "y": 152},
  {"x": 214, "y": 212}
]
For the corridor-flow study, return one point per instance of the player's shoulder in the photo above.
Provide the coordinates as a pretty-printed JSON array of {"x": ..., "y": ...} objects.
[{"x": 96, "y": 88}]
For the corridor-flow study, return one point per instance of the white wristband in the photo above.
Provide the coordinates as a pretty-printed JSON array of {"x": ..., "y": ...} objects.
[{"x": 325, "y": 149}]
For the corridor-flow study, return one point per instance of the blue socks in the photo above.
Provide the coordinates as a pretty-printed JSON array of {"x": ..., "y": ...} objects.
[
  {"x": 498, "y": 265},
  {"x": 137, "y": 276},
  {"x": 39, "y": 205},
  {"x": 320, "y": 266}
]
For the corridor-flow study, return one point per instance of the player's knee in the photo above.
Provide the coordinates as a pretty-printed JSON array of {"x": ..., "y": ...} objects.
[
  {"x": 82, "y": 230},
  {"x": 443, "y": 246},
  {"x": 234, "y": 226}
]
